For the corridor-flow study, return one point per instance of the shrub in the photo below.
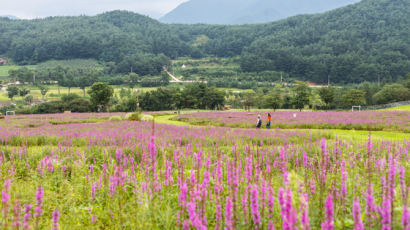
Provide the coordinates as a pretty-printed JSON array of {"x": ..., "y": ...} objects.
[
  {"x": 69, "y": 97},
  {"x": 49, "y": 107},
  {"x": 147, "y": 118},
  {"x": 79, "y": 105},
  {"x": 115, "y": 118},
  {"x": 133, "y": 117}
]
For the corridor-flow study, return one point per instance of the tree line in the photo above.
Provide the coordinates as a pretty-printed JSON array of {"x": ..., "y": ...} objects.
[{"x": 300, "y": 96}]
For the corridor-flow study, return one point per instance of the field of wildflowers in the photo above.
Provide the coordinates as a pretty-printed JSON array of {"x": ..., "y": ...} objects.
[
  {"x": 85, "y": 171},
  {"x": 364, "y": 120}
]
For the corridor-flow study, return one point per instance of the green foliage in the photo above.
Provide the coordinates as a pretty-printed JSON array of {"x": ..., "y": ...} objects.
[
  {"x": 127, "y": 104},
  {"x": 132, "y": 79},
  {"x": 28, "y": 99},
  {"x": 49, "y": 107},
  {"x": 79, "y": 105},
  {"x": 43, "y": 90},
  {"x": 66, "y": 98},
  {"x": 12, "y": 91},
  {"x": 23, "y": 92},
  {"x": 23, "y": 75},
  {"x": 164, "y": 78},
  {"x": 273, "y": 100},
  {"x": 392, "y": 93},
  {"x": 354, "y": 97},
  {"x": 350, "y": 45},
  {"x": 134, "y": 117},
  {"x": 301, "y": 95},
  {"x": 198, "y": 96},
  {"x": 327, "y": 94},
  {"x": 100, "y": 94},
  {"x": 115, "y": 118}
]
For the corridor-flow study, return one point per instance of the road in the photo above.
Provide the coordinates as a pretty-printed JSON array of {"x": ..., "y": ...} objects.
[{"x": 176, "y": 80}]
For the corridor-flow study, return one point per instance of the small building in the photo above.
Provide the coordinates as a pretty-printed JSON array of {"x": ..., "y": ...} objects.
[{"x": 3, "y": 61}]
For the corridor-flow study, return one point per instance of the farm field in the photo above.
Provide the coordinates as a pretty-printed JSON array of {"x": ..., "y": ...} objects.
[{"x": 89, "y": 171}]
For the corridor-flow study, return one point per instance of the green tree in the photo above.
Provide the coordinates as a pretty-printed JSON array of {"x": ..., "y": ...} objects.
[
  {"x": 23, "y": 92},
  {"x": 43, "y": 90},
  {"x": 354, "y": 97},
  {"x": 100, "y": 94},
  {"x": 327, "y": 94},
  {"x": 12, "y": 91},
  {"x": 392, "y": 93},
  {"x": 301, "y": 95},
  {"x": 248, "y": 100},
  {"x": 132, "y": 79},
  {"x": 164, "y": 78},
  {"x": 29, "y": 99},
  {"x": 273, "y": 100},
  {"x": 86, "y": 80}
]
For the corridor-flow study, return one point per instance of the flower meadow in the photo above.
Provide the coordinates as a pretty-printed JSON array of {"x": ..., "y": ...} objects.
[
  {"x": 83, "y": 171},
  {"x": 363, "y": 120}
]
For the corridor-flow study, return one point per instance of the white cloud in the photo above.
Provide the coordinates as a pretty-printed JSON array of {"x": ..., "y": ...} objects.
[{"x": 44, "y": 8}]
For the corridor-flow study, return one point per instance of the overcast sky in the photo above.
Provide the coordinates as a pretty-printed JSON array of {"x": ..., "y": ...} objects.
[{"x": 27, "y": 9}]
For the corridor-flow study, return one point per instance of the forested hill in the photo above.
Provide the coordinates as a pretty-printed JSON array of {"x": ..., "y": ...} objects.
[
  {"x": 350, "y": 44},
  {"x": 110, "y": 37},
  {"x": 247, "y": 11}
]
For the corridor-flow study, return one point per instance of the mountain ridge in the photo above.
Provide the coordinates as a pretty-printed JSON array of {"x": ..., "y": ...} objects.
[{"x": 246, "y": 11}]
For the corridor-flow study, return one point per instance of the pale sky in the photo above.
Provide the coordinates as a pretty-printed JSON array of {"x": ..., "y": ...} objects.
[{"x": 28, "y": 9}]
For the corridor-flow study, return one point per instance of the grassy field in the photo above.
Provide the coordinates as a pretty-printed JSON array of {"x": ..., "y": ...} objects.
[{"x": 400, "y": 108}]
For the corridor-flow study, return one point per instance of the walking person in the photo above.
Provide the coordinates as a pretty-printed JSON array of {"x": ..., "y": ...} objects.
[
  {"x": 259, "y": 122},
  {"x": 269, "y": 120}
]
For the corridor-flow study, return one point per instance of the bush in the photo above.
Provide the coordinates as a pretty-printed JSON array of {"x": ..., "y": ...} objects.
[
  {"x": 49, "y": 107},
  {"x": 4, "y": 109},
  {"x": 69, "y": 97},
  {"x": 115, "y": 118},
  {"x": 133, "y": 117},
  {"x": 25, "y": 110},
  {"x": 147, "y": 118},
  {"x": 79, "y": 105}
]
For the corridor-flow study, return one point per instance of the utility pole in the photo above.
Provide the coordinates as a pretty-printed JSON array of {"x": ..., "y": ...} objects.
[
  {"x": 281, "y": 78},
  {"x": 138, "y": 103},
  {"x": 378, "y": 79},
  {"x": 328, "y": 80}
]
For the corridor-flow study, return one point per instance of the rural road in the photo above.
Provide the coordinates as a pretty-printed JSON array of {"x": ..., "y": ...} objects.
[{"x": 176, "y": 80}]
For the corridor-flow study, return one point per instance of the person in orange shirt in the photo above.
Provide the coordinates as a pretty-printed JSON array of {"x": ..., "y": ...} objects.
[{"x": 269, "y": 120}]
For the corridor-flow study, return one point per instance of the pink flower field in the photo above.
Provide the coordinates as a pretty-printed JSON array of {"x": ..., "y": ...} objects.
[
  {"x": 85, "y": 171},
  {"x": 364, "y": 120}
]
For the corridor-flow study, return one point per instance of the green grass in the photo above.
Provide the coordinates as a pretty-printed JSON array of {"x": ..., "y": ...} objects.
[
  {"x": 363, "y": 135},
  {"x": 166, "y": 119},
  {"x": 400, "y": 108}
]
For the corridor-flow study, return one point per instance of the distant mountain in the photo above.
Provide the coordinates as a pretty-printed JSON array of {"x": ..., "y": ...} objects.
[
  {"x": 247, "y": 11},
  {"x": 9, "y": 17}
]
